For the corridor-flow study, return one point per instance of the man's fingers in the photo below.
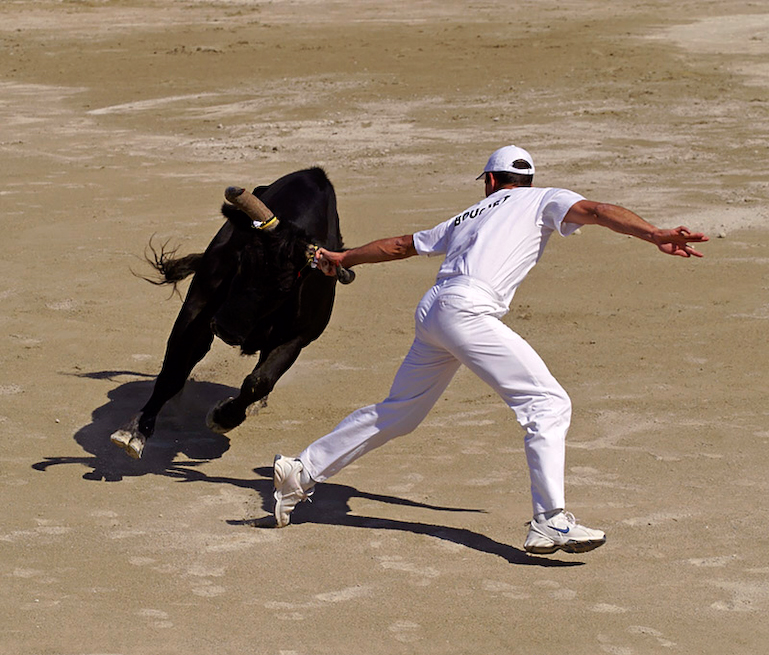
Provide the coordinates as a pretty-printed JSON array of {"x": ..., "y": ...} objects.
[
  {"x": 327, "y": 266},
  {"x": 685, "y": 250},
  {"x": 679, "y": 249},
  {"x": 696, "y": 238},
  {"x": 678, "y": 240},
  {"x": 684, "y": 232}
]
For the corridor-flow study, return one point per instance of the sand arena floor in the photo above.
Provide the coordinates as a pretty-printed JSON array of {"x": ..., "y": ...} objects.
[{"x": 128, "y": 118}]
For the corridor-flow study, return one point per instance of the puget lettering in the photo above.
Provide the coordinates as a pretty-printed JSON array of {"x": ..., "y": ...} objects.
[{"x": 475, "y": 213}]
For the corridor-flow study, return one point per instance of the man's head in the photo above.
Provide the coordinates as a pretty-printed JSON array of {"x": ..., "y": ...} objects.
[{"x": 508, "y": 167}]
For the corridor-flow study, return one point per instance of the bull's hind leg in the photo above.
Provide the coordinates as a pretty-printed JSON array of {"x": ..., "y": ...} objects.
[{"x": 258, "y": 384}]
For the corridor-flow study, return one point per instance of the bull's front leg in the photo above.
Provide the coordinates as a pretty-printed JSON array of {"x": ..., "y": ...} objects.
[
  {"x": 230, "y": 413},
  {"x": 190, "y": 340}
]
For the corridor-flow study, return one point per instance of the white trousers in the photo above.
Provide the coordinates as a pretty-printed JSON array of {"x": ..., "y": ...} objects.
[{"x": 457, "y": 322}]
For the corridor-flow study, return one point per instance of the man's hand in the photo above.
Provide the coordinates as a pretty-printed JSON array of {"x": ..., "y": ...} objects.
[
  {"x": 676, "y": 241},
  {"x": 328, "y": 261}
]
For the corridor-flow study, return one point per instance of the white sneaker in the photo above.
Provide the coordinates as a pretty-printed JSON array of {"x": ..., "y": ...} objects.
[
  {"x": 289, "y": 491},
  {"x": 561, "y": 532}
]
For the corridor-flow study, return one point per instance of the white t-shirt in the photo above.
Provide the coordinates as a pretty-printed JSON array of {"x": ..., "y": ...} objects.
[{"x": 501, "y": 238}]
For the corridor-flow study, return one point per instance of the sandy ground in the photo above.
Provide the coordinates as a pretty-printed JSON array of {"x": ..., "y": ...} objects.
[{"x": 124, "y": 119}]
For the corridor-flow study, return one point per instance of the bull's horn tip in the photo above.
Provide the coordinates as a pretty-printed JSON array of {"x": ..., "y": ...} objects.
[{"x": 232, "y": 192}]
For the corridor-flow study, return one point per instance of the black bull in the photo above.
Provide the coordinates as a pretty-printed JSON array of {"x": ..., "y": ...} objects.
[{"x": 253, "y": 289}]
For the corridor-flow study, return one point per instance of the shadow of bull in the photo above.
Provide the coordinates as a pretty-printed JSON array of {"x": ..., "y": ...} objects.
[{"x": 181, "y": 429}]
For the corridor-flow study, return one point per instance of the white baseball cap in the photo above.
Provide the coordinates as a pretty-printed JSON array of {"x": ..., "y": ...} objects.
[{"x": 504, "y": 160}]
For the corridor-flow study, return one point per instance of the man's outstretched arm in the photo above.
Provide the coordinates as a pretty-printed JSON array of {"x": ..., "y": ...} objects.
[
  {"x": 381, "y": 250},
  {"x": 624, "y": 221}
]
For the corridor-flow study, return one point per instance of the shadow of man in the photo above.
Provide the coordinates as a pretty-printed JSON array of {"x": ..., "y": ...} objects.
[
  {"x": 331, "y": 506},
  {"x": 181, "y": 429}
]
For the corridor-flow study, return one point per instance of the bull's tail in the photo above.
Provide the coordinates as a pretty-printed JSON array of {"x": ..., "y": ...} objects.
[{"x": 171, "y": 269}]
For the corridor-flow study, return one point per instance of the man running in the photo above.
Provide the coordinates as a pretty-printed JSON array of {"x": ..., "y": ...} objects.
[{"x": 488, "y": 250}]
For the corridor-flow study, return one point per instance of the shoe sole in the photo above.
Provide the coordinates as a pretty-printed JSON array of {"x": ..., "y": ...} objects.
[
  {"x": 568, "y": 547},
  {"x": 279, "y": 523},
  {"x": 278, "y": 479}
]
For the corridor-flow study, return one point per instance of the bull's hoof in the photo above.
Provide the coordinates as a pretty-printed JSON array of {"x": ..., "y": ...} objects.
[
  {"x": 221, "y": 418},
  {"x": 129, "y": 439},
  {"x": 253, "y": 408}
]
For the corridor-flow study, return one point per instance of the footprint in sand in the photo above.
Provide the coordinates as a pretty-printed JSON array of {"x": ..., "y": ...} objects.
[
  {"x": 651, "y": 632},
  {"x": 655, "y": 519},
  {"x": 606, "y": 608},
  {"x": 141, "y": 561},
  {"x": 712, "y": 562},
  {"x": 746, "y": 596},
  {"x": 505, "y": 589},
  {"x": 405, "y": 631},
  {"x": 65, "y": 305},
  {"x": 202, "y": 586},
  {"x": 556, "y": 591},
  {"x": 295, "y": 611},
  {"x": 207, "y": 589},
  {"x": 397, "y": 564},
  {"x": 156, "y": 618}
]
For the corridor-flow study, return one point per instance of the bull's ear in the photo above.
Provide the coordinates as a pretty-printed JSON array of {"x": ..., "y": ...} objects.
[
  {"x": 237, "y": 217},
  {"x": 258, "y": 191}
]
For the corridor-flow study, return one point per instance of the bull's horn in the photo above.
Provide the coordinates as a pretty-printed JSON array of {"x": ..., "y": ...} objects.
[{"x": 254, "y": 208}]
